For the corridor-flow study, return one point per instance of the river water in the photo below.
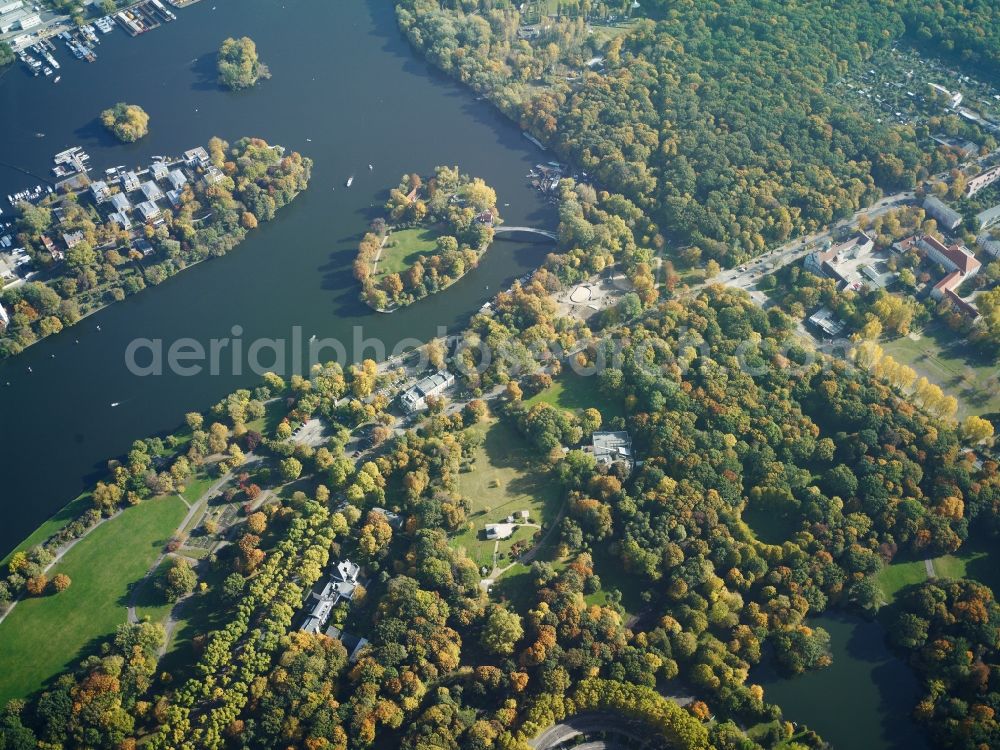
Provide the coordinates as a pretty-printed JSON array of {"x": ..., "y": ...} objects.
[
  {"x": 863, "y": 700},
  {"x": 347, "y": 91}
]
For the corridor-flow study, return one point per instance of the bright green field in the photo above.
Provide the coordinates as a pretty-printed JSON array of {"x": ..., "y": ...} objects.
[
  {"x": 404, "y": 248},
  {"x": 957, "y": 368},
  {"x": 503, "y": 480},
  {"x": 197, "y": 486},
  {"x": 44, "y": 636},
  {"x": 976, "y": 560},
  {"x": 149, "y": 601},
  {"x": 274, "y": 412},
  {"x": 897, "y": 576},
  {"x": 577, "y": 392}
]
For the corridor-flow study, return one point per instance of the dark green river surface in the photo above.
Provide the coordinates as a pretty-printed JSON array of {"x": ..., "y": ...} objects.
[
  {"x": 863, "y": 701},
  {"x": 347, "y": 91}
]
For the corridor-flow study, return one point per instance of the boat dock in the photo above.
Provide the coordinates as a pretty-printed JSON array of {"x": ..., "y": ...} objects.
[
  {"x": 71, "y": 161},
  {"x": 144, "y": 17}
]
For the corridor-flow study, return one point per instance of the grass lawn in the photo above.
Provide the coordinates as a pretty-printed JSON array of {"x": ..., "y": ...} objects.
[
  {"x": 149, "y": 601},
  {"x": 960, "y": 369},
  {"x": 576, "y": 392},
  {"x": 69, "y": 513},
  {"x": 503, "y": 480},
  {"x": 197, "y": 486},
  {"x": 274, "y": 412},
  {"x": 404, "y": 248},
  {"x": 44, "y": 636},
  {"x": 897, "y": 576},
  {"x": 976, "y": 560}
]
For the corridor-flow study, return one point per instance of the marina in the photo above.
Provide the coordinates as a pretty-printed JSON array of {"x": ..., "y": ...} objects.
[
  {"x": 35, "y": 50},
  {"x": 260, "y": 287}
]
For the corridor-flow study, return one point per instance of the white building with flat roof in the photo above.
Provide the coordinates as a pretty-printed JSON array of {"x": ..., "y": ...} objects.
[
  {"x": 981, "y": 180},
  {"x": 197, "y": 157},
  {"x": 945, "y": 216},
  {"x": 343, "y": 585},
  {"x": 121, "y": 219},
  {"x": 121, "y": 203},
  {"x": 177, "y": 179},
  {"x": 4, "y": 317},
  {"x": 415, "y": 398},
  {"x": 500, "y": 530},
  {"x": 131, "y": 181}
]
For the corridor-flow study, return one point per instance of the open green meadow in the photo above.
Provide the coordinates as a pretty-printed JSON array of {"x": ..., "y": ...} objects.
[{"x": 44, "y": 636}]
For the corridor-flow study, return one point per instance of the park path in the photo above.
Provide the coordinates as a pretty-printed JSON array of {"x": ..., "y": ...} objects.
[
  {"x": 378, "y": 255},
  {"x": 60, "y": 553},
  {"x": 193, "y": 509},
  {"x": 529, "y": 555}
]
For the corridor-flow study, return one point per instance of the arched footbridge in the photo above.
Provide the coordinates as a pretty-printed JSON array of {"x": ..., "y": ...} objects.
[{"x": 504, "y": 229}]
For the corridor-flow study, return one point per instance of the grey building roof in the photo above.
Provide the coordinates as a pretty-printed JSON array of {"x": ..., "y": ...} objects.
[
  {"x": 989, "y": 217},
  {"x": 947, "y": 216},
  {"x": 151, "y": 190},
  {"x": 612, "y": 446},
  {"x": 121, "y": 202}
]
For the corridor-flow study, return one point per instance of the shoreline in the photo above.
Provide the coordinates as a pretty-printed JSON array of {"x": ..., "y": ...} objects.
[
  {"x": 390, "y": 310},
  {"x": 142, "y": 274}
]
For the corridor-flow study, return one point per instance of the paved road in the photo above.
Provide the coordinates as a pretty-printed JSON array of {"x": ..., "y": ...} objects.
[
  {"x": 799, "y": 248},
  {"x": 611, "y": 730}
]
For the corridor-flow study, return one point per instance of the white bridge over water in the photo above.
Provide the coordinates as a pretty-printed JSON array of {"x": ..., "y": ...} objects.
[{"x": 504, "y": 229}]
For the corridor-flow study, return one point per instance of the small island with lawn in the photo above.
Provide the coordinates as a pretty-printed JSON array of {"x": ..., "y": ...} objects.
[
  {"x": 435, "y": 232},
  {"x": 128, "y": 122}
]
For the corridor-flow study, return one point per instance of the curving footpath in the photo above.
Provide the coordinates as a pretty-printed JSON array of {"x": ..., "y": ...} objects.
[{"x": 599, "y": 731}]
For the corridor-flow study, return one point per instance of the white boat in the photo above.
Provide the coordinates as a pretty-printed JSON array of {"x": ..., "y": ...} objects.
[
  {"x": 115, "y": 403},
  {"x": 370, "y": 168},
  {"x": 350, "y": 181}
]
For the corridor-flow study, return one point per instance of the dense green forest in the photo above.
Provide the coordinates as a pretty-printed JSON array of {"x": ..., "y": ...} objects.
[
  {"x": 730, "y": 419},
  {"x": 716, "y": 119},
  {"x": 771, "y": 483}
]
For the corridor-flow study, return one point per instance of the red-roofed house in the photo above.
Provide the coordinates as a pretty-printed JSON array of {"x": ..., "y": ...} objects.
[
  {"x": 966, "y": 308},
  {"x": 953, "y": 258},
  {"x": 959, "y": 264}
]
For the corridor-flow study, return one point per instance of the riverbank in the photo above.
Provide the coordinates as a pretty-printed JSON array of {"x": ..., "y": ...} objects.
[
  {"x": 137, "y": 228},
  {"x": 295, "y": 273}
]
